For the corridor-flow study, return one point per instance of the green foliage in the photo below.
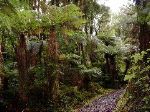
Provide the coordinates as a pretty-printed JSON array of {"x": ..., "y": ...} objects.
[
  {"x": 67, "y": 15},
  {"x": 38, "y": 73},
  {"x": 143, "y": 13},
  {"x": 91, "y": 72},
  {"x": 4, "y": 22},
  {"x": 26, "y": 21},
  {"x": 138, "y": 78},
  {"x": 71, "y": 98},
  {"x": 135, "y": 70}
]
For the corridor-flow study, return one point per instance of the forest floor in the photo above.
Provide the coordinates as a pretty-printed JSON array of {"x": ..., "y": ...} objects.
[{"x": 105, "y": 103}]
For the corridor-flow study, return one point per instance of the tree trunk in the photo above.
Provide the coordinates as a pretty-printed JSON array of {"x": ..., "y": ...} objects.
[
  {"x": 1, "y": 68},
  {"x": 52, "y": 66},
  {"x": 107, "y": 63},
  {"x": 22, "y": 62},
  {"x": 144, "y": 37},
  {"x": 111, "y": 68},
  {"x": 127, "y": 61}
]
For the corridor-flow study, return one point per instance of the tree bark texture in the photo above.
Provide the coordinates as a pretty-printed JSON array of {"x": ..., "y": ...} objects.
[
  {"x": 23, "y": 65},
  {"x": 52, "y": 65}
]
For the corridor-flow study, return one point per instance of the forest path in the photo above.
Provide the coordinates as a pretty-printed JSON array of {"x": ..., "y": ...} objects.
[{"x": 103, "y": 104}]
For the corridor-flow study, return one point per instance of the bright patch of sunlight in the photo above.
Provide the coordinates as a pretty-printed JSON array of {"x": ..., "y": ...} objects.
[{"x": 115, "y": 5}]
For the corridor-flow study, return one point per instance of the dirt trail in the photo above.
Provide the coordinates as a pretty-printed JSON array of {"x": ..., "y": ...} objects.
[{"x": 103, "y": 104}]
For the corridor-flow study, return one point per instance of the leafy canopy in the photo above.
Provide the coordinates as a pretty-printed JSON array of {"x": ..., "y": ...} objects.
[{"x": 68, "y": 15}]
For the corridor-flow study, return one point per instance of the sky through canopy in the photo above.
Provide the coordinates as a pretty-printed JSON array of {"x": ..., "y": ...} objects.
[{"x": 115, "y": 5}]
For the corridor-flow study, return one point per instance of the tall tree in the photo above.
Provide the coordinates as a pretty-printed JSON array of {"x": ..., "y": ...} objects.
[
  {"x": 21, "y": 28},
  {"x": 69, "y": 16}
]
